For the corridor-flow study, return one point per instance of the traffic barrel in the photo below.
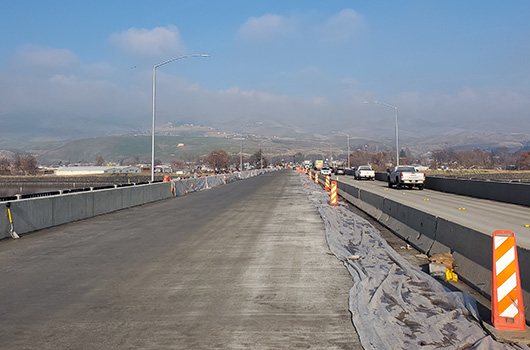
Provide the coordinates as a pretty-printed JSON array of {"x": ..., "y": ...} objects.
[{"x": 507, "y": 310}]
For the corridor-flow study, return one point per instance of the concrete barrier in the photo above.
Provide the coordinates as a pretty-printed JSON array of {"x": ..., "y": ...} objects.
[
  {"x": 36, "y": 213},
  {"x": 472, "y": 250},
  {"x": 413, "y": 225},
  {"x": 507, "y": 192},
  {"x": 42, "y": 212}
]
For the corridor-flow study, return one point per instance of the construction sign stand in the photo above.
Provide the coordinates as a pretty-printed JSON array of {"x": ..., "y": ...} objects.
[
  {"x": 507, "y": 310},
  {"x": 333, "y": 193},
  {"x": 12, "y": 232},
  {"x": 328, "y": 179}
]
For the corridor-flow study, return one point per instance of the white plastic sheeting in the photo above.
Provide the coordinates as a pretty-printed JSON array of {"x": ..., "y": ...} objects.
[
  {"x": 183, "y": 186},
  {"x": 393, "y": 304}
]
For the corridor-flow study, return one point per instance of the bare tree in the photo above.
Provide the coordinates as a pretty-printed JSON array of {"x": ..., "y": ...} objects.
[
  {"x": 257, "y": 158},
  {"x": 5, "y": 166},
  {"x": 360, "y": 157},
  {"x": 99, "y": 161},
  {"x": 28, "y": 165},
  {"x": 473, "y": 159},
  {"x": 131, "y": 161},
  {"x": 178, "y": 165},
  {"x": 16, "y": 165},
  {"x": 217, "y": 159},
  {"x": 523, "y": 161},
  {"x": 381, "y": 161}
]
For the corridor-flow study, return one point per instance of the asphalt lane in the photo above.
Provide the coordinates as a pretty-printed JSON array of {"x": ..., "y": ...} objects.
[
  {"x": 240, "y": 266},
  {"x": 483, "y": 215}
]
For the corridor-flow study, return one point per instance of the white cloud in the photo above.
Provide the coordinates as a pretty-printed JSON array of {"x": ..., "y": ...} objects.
[
  {"x": 38, "y": 57},
  {"x": 267, "y": 27},
  {"x": 342, "y": 27},
  {"x": 149, "y": 42}
]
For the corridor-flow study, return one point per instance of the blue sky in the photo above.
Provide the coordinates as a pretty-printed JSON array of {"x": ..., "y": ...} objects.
[{"x": 305, "y": 63}]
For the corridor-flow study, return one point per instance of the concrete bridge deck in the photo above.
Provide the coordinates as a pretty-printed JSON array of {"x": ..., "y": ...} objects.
[{"x": 239, "y": 266}]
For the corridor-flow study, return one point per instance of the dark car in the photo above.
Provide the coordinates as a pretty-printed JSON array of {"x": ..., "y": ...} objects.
[{"x": 339, "y": 170}]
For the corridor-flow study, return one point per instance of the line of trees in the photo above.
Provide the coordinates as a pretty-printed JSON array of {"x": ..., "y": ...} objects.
[
  {"x": 219, "y": 160},
  {"x": 500, "y": 158},
  {"x": 19, "y": 165}
]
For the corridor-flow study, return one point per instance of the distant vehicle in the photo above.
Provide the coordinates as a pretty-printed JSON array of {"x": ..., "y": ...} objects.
[
  {"x": 405, "y": 175},
  {"x": 364, "y": 172},
  {"x": 325, "y": 171},
  {"x": 319, "y": 164},
  {"x": 308, "y": 164},
  {"x": 420, "y": 168},
  {"x": 338, "y": 170}
]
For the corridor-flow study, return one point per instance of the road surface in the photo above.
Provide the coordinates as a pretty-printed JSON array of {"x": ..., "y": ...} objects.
[
  {"x": 240, "y": 266},
  {"x": 483, "y": 215}
]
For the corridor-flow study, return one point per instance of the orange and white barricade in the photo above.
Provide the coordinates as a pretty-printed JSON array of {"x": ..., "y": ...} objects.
[
  {"x": 328, "y": 179},
  {"x": 316, "y": 178},
  {"x": 333, "y": 193},
  {"x": 507, "y": 310},
  {"x": 310, "y": 176}
]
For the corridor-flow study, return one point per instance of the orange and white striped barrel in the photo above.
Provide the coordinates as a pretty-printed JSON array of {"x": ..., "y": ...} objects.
[
  {"x": 316, "y": 178},
  {"x": 328, "y": 179},
  {"x": 333, "y": 193},
  {"x": 507, "y": 298}
]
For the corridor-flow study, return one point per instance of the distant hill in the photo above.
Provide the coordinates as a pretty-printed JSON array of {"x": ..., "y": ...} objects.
[{"x": 188, "y": 142}]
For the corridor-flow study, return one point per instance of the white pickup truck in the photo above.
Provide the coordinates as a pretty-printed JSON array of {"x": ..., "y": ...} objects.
[
  {"x": 364, "y": 172},
  {"x": 405, "y": 175}
]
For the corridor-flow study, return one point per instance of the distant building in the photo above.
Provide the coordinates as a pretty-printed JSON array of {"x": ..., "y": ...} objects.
[{"x": 94, "y": 170}]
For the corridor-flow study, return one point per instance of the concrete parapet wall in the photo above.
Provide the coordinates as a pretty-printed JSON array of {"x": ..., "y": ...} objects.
[
  {"x": 37, "y": 213},
  {"x": 507, "y": 192},
  {"x": 472, "y": 250}
]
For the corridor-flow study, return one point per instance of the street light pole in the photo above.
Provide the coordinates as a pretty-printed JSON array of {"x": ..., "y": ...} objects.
[
  {"x": 240, "y": 152},
  {"x": 155, "y": 66},
  {"x": 396, "y": 109},
  {"x": 348, "y": 137}
]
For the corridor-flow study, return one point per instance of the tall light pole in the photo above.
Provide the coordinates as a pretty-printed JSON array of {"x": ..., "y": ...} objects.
[
  {"x": 155, "y": 66},
  {"x": 242, "y": 139},
  {"x": 396, "y": 109},
  {"x": 348, "y": 140},
  {"x": 240, "y": 152}
]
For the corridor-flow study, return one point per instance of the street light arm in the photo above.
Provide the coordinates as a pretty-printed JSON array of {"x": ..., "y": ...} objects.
[
  {"x": 396, "y": 110},
  {"x": 178, "y": 58},
  {"x": 155, "y": 66},
  {"x": 381, "y": 103}
]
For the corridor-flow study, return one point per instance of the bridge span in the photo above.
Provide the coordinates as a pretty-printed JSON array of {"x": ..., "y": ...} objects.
[{"x": 241, "y": 266}]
